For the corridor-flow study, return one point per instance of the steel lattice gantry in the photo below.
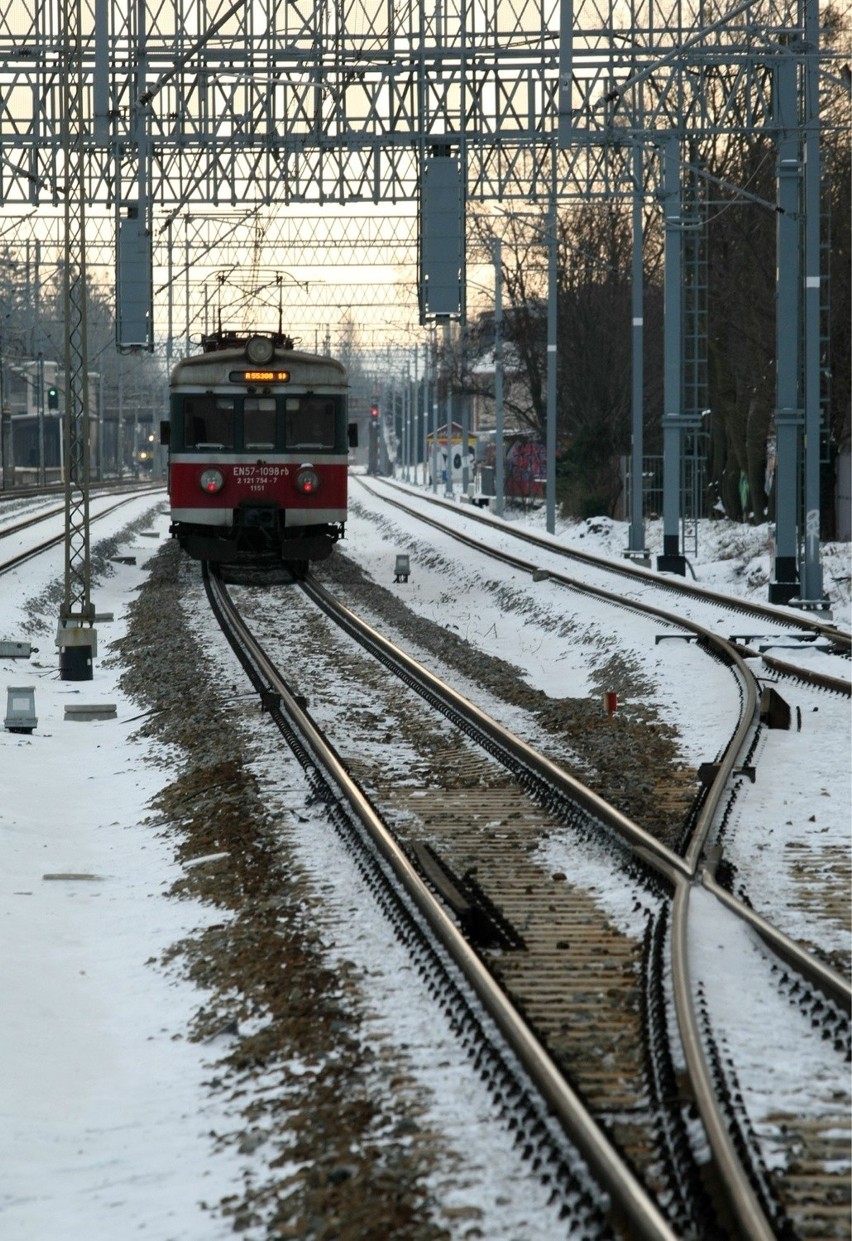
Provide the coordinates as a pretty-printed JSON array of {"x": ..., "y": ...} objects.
[
  {"x": 268, "y": 101},
  {"x": 193, "y": 110},
  {"x": 76, "y": 633},
  {"x": 197, "y": 108}
]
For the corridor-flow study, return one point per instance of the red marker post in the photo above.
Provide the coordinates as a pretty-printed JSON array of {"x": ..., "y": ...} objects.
[{"x": 610, "y": 701}]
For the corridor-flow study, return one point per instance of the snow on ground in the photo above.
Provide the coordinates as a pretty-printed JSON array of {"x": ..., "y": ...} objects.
[
  {"x": 104, "y": 1117},
  {"x": 722, "y": 555}
]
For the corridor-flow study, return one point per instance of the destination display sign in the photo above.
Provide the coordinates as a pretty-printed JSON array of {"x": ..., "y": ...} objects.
[{"x": 259, "y": 377}]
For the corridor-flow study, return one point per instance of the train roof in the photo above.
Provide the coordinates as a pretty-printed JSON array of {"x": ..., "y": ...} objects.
[{"x": 211, "y": 367}]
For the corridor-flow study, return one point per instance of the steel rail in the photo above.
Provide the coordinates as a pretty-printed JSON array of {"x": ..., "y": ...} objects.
[
  {"x": 828, "y": 980},
  {"x": 664, "y": 860},
  {"x": 796, "y": 672},
  {"x": 106, "y": 487},
  {"x": 6, "y": 566},
  {"x": 33, "y": 520},
  {"x": 764, "y": 610},
  {"x": 608, "y": 1168},
  {"x": 733, "y": 1178}
]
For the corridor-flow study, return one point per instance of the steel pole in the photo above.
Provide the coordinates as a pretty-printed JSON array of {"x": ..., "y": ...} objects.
[
  {"x": 812, "y": 593},
  {"x": 42, "y": 473},
  {"x": 636, "y": 544},
  {"x": 672, "y": 559},
  {"x": 550, "y": 449},
  {"x": 448, "y": 405},
  {"x": 499, "y": 446},
  {"x": 788, "y": 414}
]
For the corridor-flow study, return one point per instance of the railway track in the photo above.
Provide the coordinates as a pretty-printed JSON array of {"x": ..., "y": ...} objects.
[
  {"x": 105, "y": 486},
  {"x": 593, "y": 992},
  {"x": 556, "y": 1094},
  {"x": 777, "y": 629},
  {"x": 29, "y": 523},
  {"x": 616, "y": 1004}
]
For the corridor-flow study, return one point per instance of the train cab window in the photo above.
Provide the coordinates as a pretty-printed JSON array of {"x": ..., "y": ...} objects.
[
  {"x": 309, "y": 422},
  {"x": 208, "y": 421},
  {"x": 259, "y": 423}
]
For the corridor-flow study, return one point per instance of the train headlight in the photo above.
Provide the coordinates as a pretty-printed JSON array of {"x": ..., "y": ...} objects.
[
  {"x": 211, "y": 481},
  {"x": 260, "y": 349},
  {"x": 307, "y": 480}
]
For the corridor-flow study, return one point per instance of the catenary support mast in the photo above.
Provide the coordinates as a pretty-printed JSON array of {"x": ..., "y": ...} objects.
[
  {"x": 77, "y": 612},
  {"x": 282, "y": 108}
]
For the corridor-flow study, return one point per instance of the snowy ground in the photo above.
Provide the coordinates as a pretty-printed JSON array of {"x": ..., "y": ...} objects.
[
  {"x": 104, "y": 1116},
  {"x": 724, "y": 555},
  {"x": 102, "y": 1103}
]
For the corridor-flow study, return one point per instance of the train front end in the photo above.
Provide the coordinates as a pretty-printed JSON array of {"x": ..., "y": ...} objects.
[{"x": 258, "y": 452}]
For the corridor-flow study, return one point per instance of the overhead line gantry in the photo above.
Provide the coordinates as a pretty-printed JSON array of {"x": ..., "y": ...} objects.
[{"x": 289, "y": 106}]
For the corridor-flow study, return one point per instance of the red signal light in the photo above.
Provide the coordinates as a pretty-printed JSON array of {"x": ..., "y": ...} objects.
[
  {"x": 211, "y": 481},
  {"x": 307, "y": 480},
  {"x": 374, "y": 411}
]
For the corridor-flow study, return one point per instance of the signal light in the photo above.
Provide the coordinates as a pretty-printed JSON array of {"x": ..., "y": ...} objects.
[
  {"x": 53, "y": 398},
  {"x": 374, "y": 410},
  {"x": 307, "y": 480},
  {"x": 211, "y": 481}
]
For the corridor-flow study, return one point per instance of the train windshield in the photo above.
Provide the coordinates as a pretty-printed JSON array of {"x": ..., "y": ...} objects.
[
  {"x": 309, "y": 422},
  {"x": 208, "y": 421},
  {"x": 259, "y": 423},
  {"x": 214, "y": 422}
]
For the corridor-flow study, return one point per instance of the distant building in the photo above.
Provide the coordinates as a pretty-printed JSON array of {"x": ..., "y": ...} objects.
[
  {"x": 457, "y": 461},
  {"x": 33, "y": 409}
]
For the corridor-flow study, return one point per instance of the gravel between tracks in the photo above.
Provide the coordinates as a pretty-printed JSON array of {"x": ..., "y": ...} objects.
[
  {"x": 340, "y": 1149},
  {"x": 337, "y": 1128}
]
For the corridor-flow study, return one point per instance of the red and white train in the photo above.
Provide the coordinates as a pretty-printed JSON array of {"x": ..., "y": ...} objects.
[{"x": 259, "y": 444}]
